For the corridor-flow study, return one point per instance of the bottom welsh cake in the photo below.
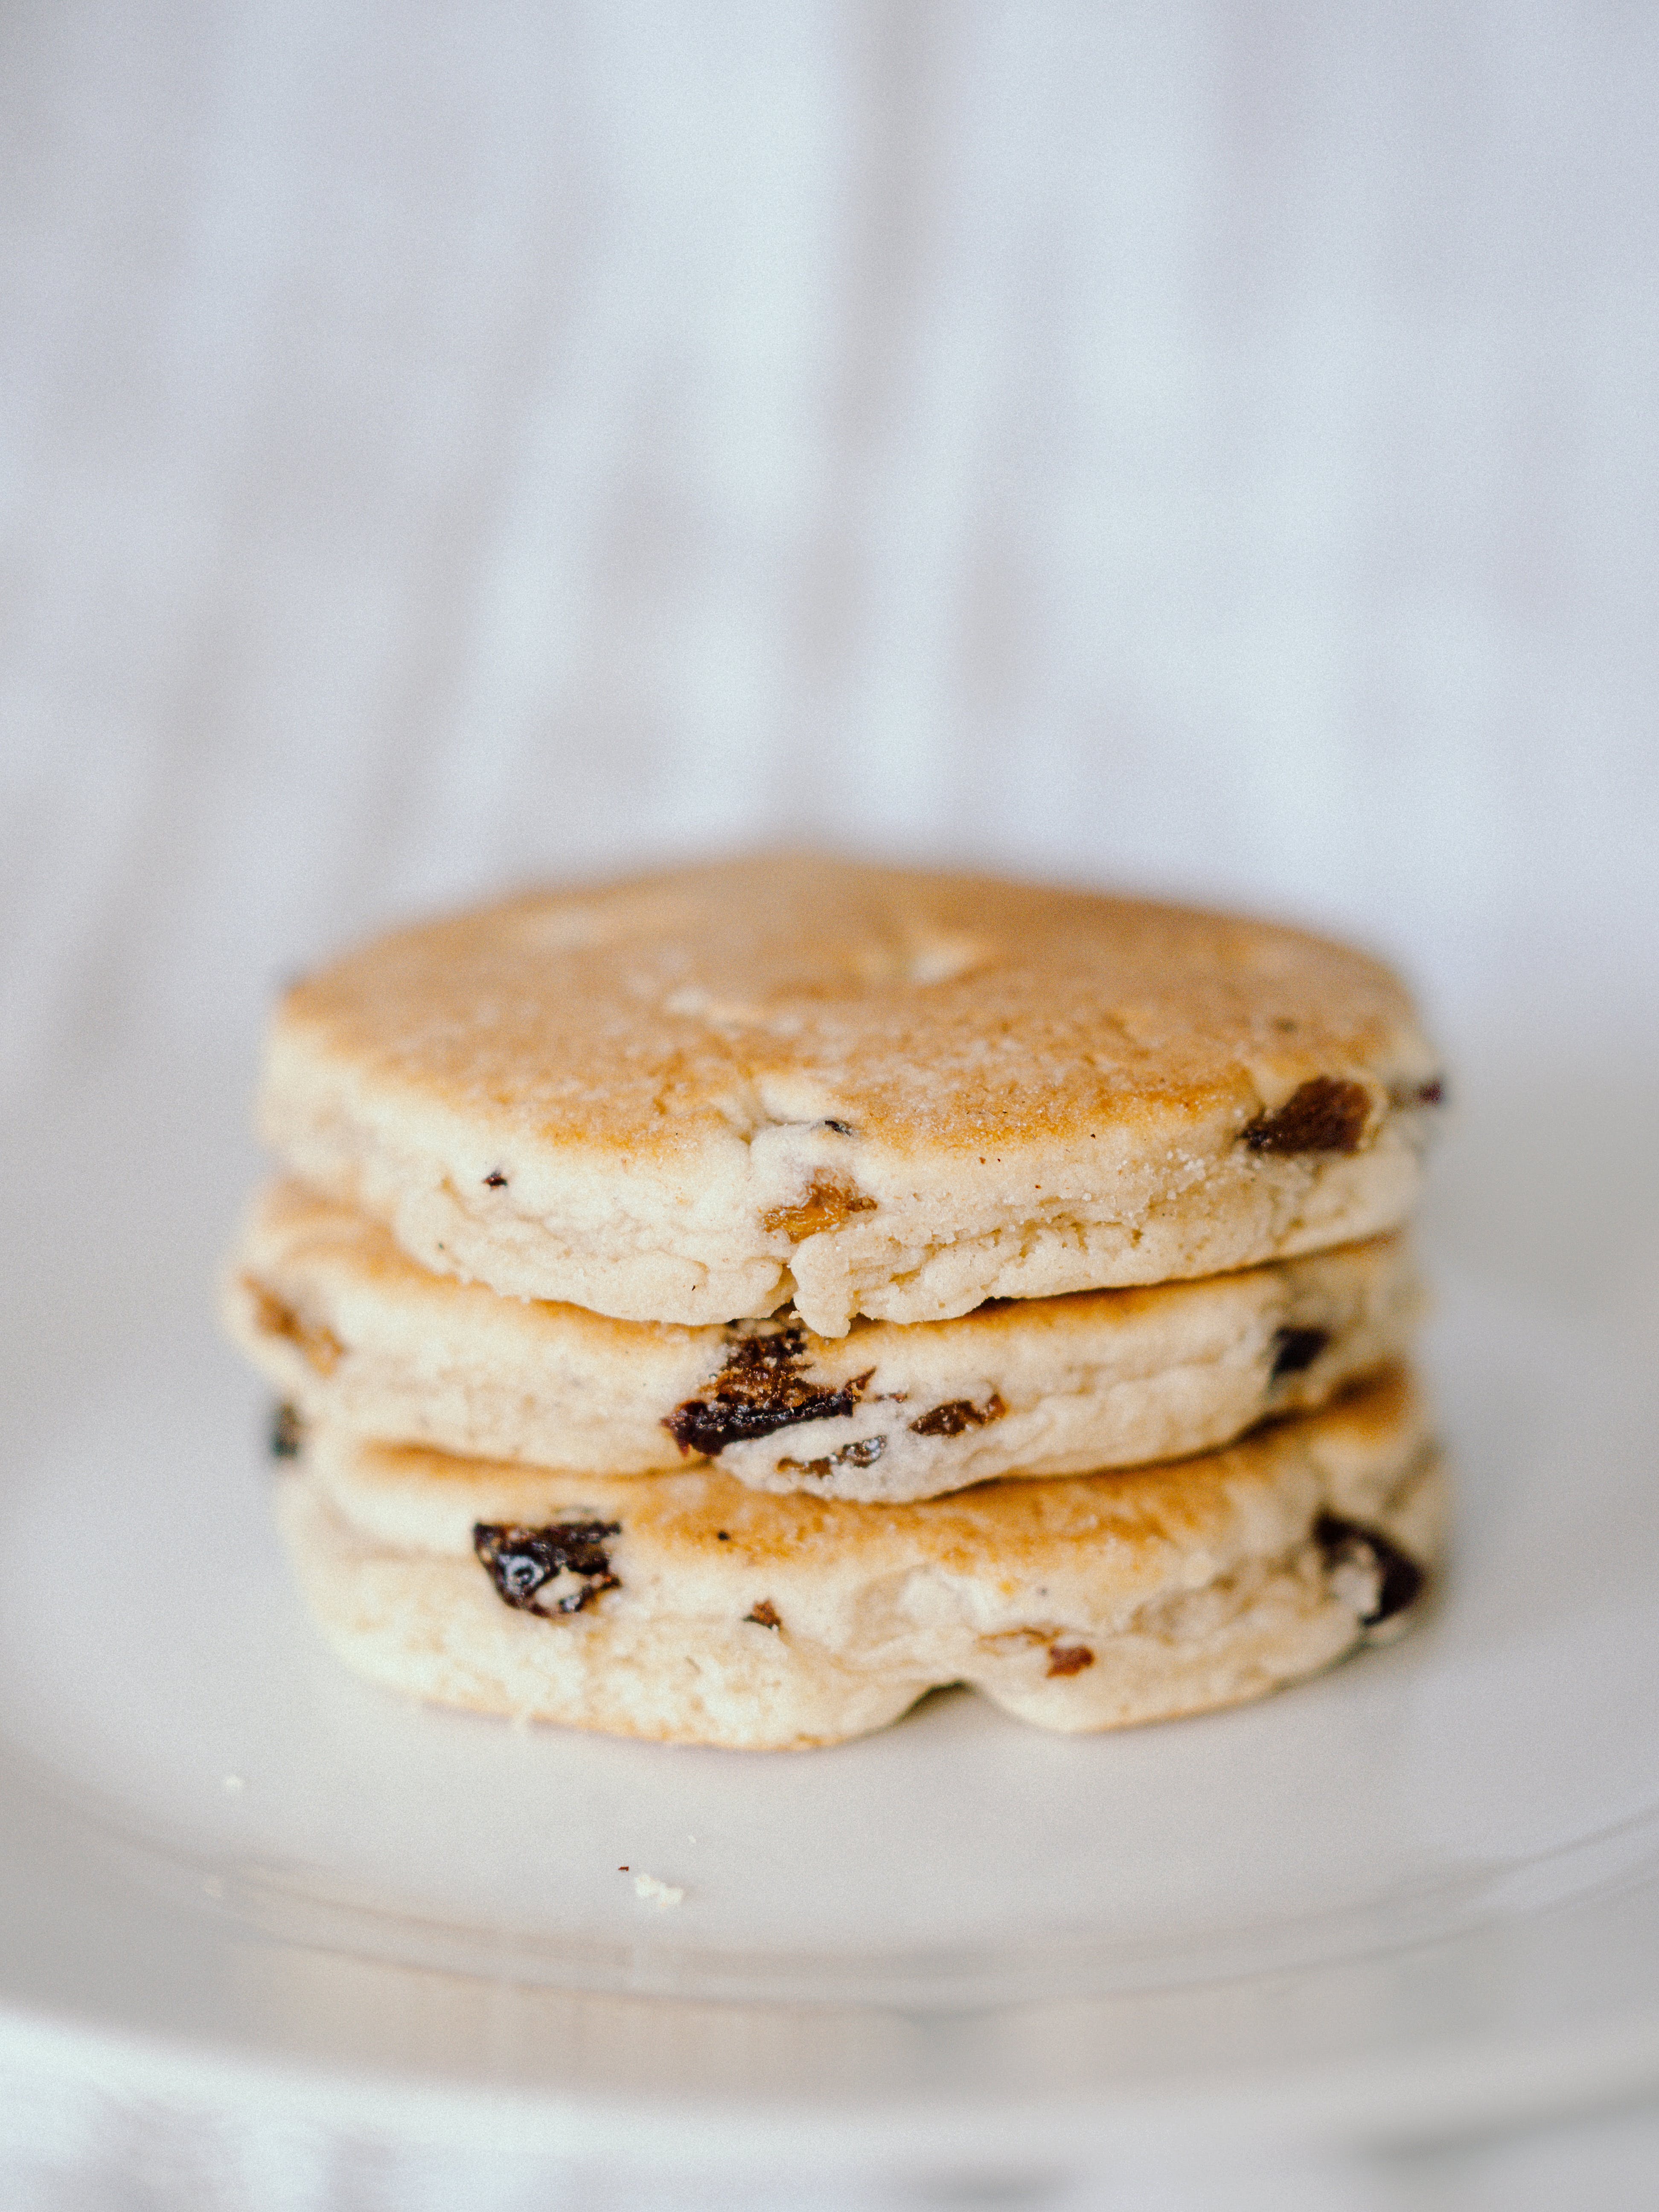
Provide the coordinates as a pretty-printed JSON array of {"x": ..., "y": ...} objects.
[{"x": 689, "y": 1608}]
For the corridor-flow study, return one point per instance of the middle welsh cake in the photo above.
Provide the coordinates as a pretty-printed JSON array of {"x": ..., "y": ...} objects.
[{"x": 363, "y": 1339}]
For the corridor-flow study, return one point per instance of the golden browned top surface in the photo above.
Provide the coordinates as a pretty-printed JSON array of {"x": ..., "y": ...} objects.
[{"x": 944, "y": 1010}]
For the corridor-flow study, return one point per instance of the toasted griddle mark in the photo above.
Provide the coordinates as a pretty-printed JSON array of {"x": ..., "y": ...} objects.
[
  {"x": 286, "y": 1437},
  {"x": 1296, "y": 1349},
  {"x": 759, "y": 1390},
  {"x": 765, "y": 1615},
  {"x": 959, "y": 1413},
  {"x": 274, "y": 1317},
  {"x": 1069, "y": 1658},
  {"x": 826, "y": 1206},
  {"x": 557, "y": 1569},
  {"x": 1005, "y": 1641},
  {"x": 1006, "y": 1637},
  {"x": 864, "y": 1453},
  {"x": 1348, "y": 1544},
  {"x": 1322, "y": 1116}
]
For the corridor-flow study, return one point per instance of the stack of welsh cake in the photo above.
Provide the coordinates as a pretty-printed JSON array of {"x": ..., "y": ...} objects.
[{"x": 724, "y": 1305}]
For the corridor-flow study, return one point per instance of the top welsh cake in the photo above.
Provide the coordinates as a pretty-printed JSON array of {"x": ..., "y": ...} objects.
[{"x": 701, "y": 1095}]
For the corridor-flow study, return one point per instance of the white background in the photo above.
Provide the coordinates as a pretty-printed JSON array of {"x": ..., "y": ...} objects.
[{"x": 1213, "y": 448}]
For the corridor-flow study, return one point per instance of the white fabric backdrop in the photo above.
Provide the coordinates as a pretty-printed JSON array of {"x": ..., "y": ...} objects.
[
  {"x": 1214, "y": 445},
  {"x": 1209, "y": 445}
]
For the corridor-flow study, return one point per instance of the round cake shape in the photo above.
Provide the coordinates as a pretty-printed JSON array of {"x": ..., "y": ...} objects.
[{"x": 697, "y": 1095}]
